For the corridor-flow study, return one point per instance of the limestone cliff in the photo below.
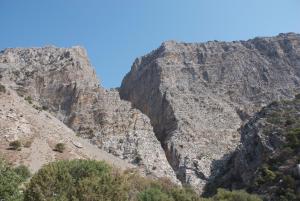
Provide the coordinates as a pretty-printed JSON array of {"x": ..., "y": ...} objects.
[
  {"x": 197, "y": 95},
  {"x": 62, "y": 81}
]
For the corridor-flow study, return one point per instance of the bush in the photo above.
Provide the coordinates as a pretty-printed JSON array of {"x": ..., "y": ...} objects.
[
  {"x": 10, "y": 182},
  {"x": 288, "y": 182},
  {"x": 15, "y": 145},
  {"x": 268, "y": 174},
  {"x": 80, "y": 180},
  {"x": 224, "y": 195},
  {"x": 37, "y": 107},
  {"x": 23, "y": 172},
  {"x": 297, "y": 96},
  {"x": 138, "y": 159},
  {"x": 184, "y": 194},
  {"x": 44, "y": 107},
  {"x": 2, "y": 88},
  {"x": 28, "y": 99},
  {"x": 145, "y": 189},
  {"x": 288, "y": 195},
  {"x": 154, "y": 194},
  {"x": 27, "y": 143},
  {"x": 293, "y": 138},
  {"x": 88, "y": 180},
  {"x": 60, "y": 147}
]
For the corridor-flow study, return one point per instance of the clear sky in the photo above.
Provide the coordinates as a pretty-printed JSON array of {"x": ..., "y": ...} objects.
[{"x": 115, "y": 32}]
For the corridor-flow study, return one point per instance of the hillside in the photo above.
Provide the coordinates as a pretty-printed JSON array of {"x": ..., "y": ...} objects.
[{"x": 39, "y": 132}]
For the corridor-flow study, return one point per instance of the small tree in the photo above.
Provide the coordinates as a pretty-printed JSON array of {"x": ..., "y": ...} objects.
[
  {"x": 60, "y": 147},
  {"x": 15, "y": 145}
]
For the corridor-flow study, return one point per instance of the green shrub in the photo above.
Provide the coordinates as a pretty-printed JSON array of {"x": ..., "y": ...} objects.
[
  {"x": 287, "y": 152},
  {"x": 28, "y": 99},
  {"x": 10, "y": 182},
  {"x": 22, "y": 171},
  {"x": 268, "y": 174},
  {"x": 274, "y": 118},
  {"x": 293, "y": 138},
  {"x": 37, "y": 107},
  {"x": 77, "y": 180},
  {"x": 288, "y": 182},
  {"x": 60, "y": 147},
  {"x": 288, "y": 195},
  {"x": 145, "y": 189},
  {"x": 224, "y": 195},
  {"x": 184, "y": 194},
  {"x": 289, "y": 122},
  {"x": 15, "y": 145},
  {"x": 154, "y": 194},
  {"x": 87, "y": 180},
  {"x": 265, "y": 176}
]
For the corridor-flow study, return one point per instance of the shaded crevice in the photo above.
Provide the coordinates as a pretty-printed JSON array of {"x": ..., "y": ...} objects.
[{"x": 163, "y": 122}]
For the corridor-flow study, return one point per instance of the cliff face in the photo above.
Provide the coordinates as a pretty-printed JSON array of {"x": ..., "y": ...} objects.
[
  {"x": 197, "y": 95},
  {"x": 62, "y": 81},
  {"x": 267, "y": 161}
]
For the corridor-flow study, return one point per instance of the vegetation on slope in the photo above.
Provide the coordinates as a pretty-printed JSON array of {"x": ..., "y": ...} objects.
[
  {"x": 280, "y": 173},
  {"x": 268, "y": 161},
  {"x": 88, "y": 180},
  {"x": 11, "y": 180}
]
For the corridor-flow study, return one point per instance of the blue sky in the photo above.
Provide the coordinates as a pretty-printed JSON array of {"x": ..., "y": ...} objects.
[{"x": 115, "y": 32}]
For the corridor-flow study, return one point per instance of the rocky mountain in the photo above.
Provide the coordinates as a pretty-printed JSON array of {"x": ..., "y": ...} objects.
[
  {"x": 197, "y": 96},
  {"x": 63, "y": 81},
  {"x": 267, "y": 161},
  {"x": 177, "y": 114}
]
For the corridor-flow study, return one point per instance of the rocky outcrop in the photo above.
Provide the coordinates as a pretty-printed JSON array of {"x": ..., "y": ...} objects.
[
  {"x": 267, "y": 161},
  {"x": 62, "y": 81},
  {"x": 197, "y": 95}
]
